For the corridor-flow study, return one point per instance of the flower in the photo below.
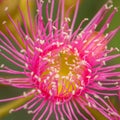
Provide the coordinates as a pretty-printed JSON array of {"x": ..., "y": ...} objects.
[{"x": 67, "y": 70}]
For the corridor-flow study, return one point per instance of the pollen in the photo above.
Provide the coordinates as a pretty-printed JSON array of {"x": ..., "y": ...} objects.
[{"x": 64, "y": 75}]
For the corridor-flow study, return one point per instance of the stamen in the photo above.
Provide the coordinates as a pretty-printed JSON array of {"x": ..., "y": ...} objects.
[
  {"x": 11, "y": 110},
  {"x": 6, "y": 8}
]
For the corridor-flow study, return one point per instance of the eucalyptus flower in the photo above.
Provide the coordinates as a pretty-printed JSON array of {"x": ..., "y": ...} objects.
[{"x": 65, "y": 69}]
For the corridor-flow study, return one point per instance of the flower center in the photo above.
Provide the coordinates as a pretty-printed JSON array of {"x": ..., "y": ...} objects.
[{"x": 64, "y": 75}]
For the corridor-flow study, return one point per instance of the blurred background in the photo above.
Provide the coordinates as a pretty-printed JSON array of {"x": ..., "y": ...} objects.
[{"x": 87, "y": 9}]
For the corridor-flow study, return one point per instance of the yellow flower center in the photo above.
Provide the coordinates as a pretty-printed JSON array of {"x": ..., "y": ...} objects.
[{"x": 65, "y": 75}]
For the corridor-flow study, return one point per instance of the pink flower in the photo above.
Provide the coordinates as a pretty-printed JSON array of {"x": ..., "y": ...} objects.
[{"x": 67, "y": 70}]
